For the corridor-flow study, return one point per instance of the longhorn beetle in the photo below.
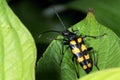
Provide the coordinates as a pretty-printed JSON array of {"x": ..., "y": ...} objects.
[{"x": 77, "y": 46}]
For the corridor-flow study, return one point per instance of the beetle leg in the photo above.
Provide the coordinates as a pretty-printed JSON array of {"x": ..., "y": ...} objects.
[
  {"x": 99, "y": 36},
  {"x": 75, "y": 65},
  {"x": 94, "y": 56},
  {"x": 75, "y": 31}
]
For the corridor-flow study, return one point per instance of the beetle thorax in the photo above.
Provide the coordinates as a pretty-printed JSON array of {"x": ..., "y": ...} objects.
[{"x": 69, "y": 35}]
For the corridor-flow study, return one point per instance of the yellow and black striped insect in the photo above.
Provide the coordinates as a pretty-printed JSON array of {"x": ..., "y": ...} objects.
[
  {"x": 79, "y": 50},
  {"x": 77, "y": 46}
]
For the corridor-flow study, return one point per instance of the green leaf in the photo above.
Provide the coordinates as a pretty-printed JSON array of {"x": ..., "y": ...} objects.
[
  {"x": 17, "y": 47},
  {"x": 107, "y": 12},
  {"x": 107, "y": 49},
  {"x": 109, "y": 74}
]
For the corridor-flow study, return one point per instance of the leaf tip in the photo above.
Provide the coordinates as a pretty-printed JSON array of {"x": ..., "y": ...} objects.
[
  {"x": 90, "y": 14},
  {"x": 91, "y": 10}
]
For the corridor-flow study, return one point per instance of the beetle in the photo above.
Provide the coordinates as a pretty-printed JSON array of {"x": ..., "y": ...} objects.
[{"x": 77, "y": 47}]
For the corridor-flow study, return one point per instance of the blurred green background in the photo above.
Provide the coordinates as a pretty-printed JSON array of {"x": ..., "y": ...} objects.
[{"x": 38, "y": 16}]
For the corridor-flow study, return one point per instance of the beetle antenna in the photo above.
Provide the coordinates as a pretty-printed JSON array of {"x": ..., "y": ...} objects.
[
  {"x": 59, "y": 18},
  {"x": 49, "y": 31}
]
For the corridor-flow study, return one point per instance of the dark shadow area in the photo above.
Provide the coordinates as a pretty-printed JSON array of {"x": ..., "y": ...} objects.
[
  {"x": 40, "y": 49},
  {"x": 48, "y": 75},
  {"x": 48, "y": 70}
]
